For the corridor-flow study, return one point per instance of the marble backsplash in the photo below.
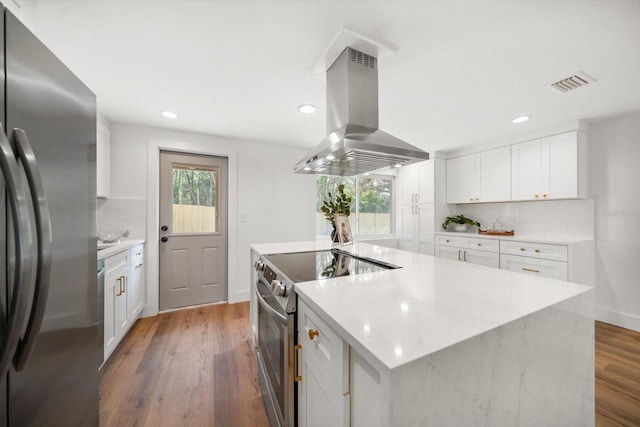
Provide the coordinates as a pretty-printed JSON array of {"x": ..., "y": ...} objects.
[
  {"x": 550, "y": 217},
  {"x": 115, "y": 216}
]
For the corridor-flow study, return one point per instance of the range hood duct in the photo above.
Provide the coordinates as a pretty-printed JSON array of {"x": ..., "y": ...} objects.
[{"x": 354, "y": 144}]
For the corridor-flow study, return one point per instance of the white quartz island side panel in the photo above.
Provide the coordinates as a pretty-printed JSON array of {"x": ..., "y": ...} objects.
[{"x": 438, "y": 342}]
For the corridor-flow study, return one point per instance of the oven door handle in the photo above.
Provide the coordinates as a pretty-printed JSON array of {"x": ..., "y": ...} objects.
[{"x": 267, "y": 307}]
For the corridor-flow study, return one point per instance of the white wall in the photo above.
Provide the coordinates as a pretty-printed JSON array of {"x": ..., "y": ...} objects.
[
  {"x": 614, "y": 180},
  {"x": 277, "y": 204}
]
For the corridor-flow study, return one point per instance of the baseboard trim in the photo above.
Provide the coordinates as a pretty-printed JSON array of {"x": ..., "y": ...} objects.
[
  {"x": 239, "y": 296},
  {"x": 624, "y": 320}
]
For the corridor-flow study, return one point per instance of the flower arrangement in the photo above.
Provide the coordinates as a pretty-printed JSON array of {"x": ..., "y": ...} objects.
[
  {"x": 459, "y": 219},
  {"x": 340, "y": 203}
]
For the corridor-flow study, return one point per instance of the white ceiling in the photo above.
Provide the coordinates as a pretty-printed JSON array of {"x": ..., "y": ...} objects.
[{"x": 463, "y": 69}]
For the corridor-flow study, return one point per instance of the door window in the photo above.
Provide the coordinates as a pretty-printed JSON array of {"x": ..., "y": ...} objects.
[{"x": 194, "y": 199}]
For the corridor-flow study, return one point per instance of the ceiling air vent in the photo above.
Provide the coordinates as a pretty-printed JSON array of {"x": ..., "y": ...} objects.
[
  {"x": 363, "y": 58},
  {"x": 571, "y": 82}
]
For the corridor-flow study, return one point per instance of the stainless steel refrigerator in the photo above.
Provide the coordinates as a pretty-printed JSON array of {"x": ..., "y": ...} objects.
[{"x": 48, "y": 298}]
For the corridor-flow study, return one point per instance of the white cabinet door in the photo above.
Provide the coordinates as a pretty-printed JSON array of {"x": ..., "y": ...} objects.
[
  {"x": 493, "y": 175},
  {"x": 448, "y": 252},
  {"x": 525, "y": 170},
  {"x": 135, "y": 291},
  {"x": 559, "y": 166},
  {"x": 408, "y": 179},
  {"x": 407, "y": 228},
  {"x": 426, "y": 186},
  {"x": 538, "y": 267},
  {"x": 103, "y": 164},
  {"x": 110, "y": 341},
  {"x": 489, "y": 259},
  {"x": 425, "y": 218},
  {"x": 320, "y": 402},
  {"x": 461, "y": 179}
]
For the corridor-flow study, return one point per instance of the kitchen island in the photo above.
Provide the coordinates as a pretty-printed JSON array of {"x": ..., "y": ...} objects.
[{"x": 442, "y": 343}]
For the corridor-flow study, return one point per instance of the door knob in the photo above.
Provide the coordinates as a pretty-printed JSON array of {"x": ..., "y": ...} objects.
[
  {"x": 164, "y": 228},
  {"x": 164, "y": 239}
]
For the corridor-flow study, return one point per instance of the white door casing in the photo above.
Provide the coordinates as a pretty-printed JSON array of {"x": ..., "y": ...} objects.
[{"x": 217, "y": 147}]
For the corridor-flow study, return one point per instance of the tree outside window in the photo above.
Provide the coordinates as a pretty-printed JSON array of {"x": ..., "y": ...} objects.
[{"x": 371, "y": 207}]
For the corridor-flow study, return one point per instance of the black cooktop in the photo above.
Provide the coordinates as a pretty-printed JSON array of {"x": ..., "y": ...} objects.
[{"x": 306, "y": 266}]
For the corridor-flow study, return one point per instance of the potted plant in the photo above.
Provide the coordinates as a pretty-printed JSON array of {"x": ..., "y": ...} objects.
[
  {"x": 333, "y": 205},
  {"x": 461, "y": 223}
]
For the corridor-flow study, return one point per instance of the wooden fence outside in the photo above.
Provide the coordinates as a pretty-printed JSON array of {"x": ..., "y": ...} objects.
[
  {"x": 370, "y": 223},
  {"x": 194, "y": 219}
]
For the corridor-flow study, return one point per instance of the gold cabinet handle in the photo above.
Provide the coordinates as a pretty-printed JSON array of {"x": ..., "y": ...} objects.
[
  {"x": 471, "y": 199},
  {"x": 522, "y": 249},
  {"x": 479, "y": 244},
  {"x": 459, "y": 259},
  {"x": 296, "y": 377},
  {"x": 531, "y": 270},
  {"x": 544, "y": 194},
  {"x": 313, "y": 334},
  {"x": 139, "y": 253},
  {"x": 124, "y": 284},
  {"x": 535, "y": 195},
  {"x": 464, "y": 256},
  {"x": 119, "y": 286},
  {"x": 447, "y": 240},
  {"x": 537, "y": 251}
]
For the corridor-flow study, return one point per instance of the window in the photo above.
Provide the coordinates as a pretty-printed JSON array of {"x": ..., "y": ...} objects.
[
  {"x": 194, "y": 199},
  {"x": 372, "y": 205}
]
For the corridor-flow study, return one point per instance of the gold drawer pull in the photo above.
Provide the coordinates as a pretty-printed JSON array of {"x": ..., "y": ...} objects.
[
  {"x": 479, "y": 244},
  {"x": 447, "y": 240},
  {"x": 313, "y": 334},
  {"x": 535, "y": 195},
  {"x": 537, "y": 251},
  {"x": 522, "y": 249},
  {"x": 296, "y": 377},
  {"x": 544, "y": 194},
  {"x": 531, "y": 270}
]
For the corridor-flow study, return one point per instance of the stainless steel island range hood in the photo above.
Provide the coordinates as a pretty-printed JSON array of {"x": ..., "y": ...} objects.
[{"x": 355, "y": 145}]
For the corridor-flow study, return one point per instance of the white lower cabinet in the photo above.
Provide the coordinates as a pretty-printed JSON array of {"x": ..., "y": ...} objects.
[
  {"x": 123, "y": 295},
  {"x": 323, "y": 365},
  {"x": 468, "y": 249},
  {"x": 569, "y": 262},
  {"x": 538, "y": 267},
  {"x": 416, "y": 228},
  {"x": 116, "y": 313}
]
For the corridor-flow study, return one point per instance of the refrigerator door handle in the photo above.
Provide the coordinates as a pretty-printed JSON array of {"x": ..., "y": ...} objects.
[
  {"x": 17, "y": 306},
  {"x": 43, "y": 235}
]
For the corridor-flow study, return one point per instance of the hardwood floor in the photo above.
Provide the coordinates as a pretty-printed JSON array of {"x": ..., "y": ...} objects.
[
  {"x": 196, "y": 367},
  {"x": 617, "y": 376},
  {"x": 193, "y": 367}
]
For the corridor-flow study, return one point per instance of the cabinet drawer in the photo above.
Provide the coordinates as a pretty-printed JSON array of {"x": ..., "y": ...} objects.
[
  {"x": 534, "y": 250},
  {"x": 539, "y": 267},
  {"x": 490, "y": 245},
  {"x": 330, "y": 351},
  {"x": 116, "y": 262}
]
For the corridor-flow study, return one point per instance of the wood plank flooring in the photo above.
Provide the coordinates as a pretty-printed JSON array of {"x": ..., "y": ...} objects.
[
  {"x": 196, "y": 367},
  {"x": 617, "y": 376}
]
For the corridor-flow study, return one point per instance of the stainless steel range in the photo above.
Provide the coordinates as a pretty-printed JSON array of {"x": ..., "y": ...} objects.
[{"x": 277, "y": 275}]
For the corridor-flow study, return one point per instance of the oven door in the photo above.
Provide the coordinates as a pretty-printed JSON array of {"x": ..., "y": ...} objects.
[{"x": 275, "y": 347}]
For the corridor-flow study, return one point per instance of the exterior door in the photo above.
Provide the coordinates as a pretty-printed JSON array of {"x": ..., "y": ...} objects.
[{"x": 193, "y": 229}]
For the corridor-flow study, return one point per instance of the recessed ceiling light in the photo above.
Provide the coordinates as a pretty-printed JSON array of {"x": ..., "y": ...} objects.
[
  {"x": 520, "y": 119},
  {"x": 307, "y": 108},
  {"x": 169, "y": 115},
  {"x": 330, "y": 157},
  {"x": 397, "y": 165},
  {"x": 307, "y": 168}
]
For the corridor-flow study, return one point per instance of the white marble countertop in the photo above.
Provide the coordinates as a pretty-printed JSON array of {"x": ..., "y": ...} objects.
[
  {"x": 112, "y": 249},
  {"x": 533, "y": 238},
  {"x": 397, "y": 316}
]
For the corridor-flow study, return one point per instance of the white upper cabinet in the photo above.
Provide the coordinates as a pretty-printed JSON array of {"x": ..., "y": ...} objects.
[
  {"x": 103, "y": 154},
  {"x": 550, "y": 168},
  {"x": 416, "y": 183},
  {"x": 481, "y": 177}
]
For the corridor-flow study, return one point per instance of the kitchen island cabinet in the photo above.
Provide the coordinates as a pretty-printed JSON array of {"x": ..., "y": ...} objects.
[{"x": 449, "y": 344}]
